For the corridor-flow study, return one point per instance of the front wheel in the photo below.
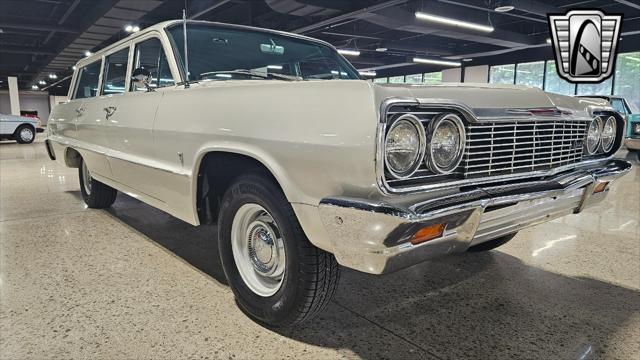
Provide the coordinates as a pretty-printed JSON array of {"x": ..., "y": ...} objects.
[
  {"x": 94, "y": 193},
  {"x": 277, "y": 276},
  {"x": 24, "y": 134}
]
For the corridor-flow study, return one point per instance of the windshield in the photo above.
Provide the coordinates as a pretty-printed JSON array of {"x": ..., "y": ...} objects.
[{"x": 224, "y": 53}]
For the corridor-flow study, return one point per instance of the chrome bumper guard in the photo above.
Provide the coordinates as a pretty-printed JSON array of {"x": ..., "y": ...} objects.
[{"x": 374, "y": 237}]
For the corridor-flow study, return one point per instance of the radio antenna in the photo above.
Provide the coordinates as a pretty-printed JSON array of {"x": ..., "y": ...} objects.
[{"x": 186, "y": 48}]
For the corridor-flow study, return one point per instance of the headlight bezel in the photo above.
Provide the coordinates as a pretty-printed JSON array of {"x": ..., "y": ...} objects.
[
  {"x": 608, "y": 148},
  {"x": 417, "y": 124},
  {"x": 597, "y": 120},
  {"x": 432, "y": 127}
]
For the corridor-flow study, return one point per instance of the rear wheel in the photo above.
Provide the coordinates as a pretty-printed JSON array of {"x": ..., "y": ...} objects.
[
  {"x": 492, "y": 244},
  {"x": 24, "y": 134},
  {"x": 277, "y": 276},
  {"x": 95, "y": 194}
]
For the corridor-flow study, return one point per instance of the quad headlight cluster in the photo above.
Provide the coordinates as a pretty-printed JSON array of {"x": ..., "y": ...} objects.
[
  {"x": 407, "y": 145},
  {"x": 601, "y": 135}
]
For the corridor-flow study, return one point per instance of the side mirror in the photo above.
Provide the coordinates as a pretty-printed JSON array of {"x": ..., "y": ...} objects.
[{"x": 142, "y": 77}]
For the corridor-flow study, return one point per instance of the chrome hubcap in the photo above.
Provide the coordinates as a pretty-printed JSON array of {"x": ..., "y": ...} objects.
[
  {"x": 258, "y": 249},
  {"x": 86, "y": 178},
  {"x": 26, "y": 134}
]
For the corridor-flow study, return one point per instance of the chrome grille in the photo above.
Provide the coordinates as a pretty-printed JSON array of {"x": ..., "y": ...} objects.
[{"x": 501, "y": 148}]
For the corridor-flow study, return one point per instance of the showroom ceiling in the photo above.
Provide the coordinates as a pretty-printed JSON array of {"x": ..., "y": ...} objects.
[{"x": 43, "y": 37}]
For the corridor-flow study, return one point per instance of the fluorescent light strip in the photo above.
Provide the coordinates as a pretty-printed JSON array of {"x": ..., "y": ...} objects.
[
  {"x": 436, "y": 62},
  {"x": 349, "y": 52},
  {"x": 367, "y": 73},
  {"x": 274, "y": 67},
  {"x": 453, "y": 22}
]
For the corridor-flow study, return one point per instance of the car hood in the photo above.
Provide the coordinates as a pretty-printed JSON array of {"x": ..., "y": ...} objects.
[{"x": 490, "y": 101}]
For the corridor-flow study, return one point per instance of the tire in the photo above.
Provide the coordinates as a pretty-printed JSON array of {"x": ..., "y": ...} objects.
[
  {"x": 95, "y": 194},
  {"x": 308, "y": 275},
  {"x": 492, "y": 244},
  {"x": 24, "y": 134}
]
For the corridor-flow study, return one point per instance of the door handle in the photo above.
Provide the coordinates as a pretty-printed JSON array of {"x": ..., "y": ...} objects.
[
  {"x": 110, "y": 110},
  {"x": 80, "y": 111}
]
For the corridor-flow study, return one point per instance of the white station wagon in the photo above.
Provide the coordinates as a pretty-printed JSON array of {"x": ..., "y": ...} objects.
[{"x": 304, "y": 166}]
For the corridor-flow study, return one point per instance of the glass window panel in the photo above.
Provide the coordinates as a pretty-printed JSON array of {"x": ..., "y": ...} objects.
[
  {"x": 115, "y": 72},
  {"x": 381, "y": 80},
  {"x": 150, "y": 56},
  {"x": 627, "y": 74},
  {"x": 413, "y": 79},
  {"x": 555, "y": 84},
  {"x": 88, "y": 81},
  {"x": 396, "y": 80},
  {"x": 502, "y": 74},
  {"x": 433, "y": 78},
  {"x": 530, "y": 74},
  {"x": 603, "y": 88}
]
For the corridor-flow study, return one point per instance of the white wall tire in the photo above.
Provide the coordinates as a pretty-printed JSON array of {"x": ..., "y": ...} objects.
[
  {"x": 300, "y": 278},
  {"x": 94, "y": 193}
]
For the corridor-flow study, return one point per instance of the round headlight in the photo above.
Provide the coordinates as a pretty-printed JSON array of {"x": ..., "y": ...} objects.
[
  {"x": 593, "y": 135},
  {"x": 446, "y": 143},
  {"x": 608, "y": 134},
  {"x": 404, "y": 146}
]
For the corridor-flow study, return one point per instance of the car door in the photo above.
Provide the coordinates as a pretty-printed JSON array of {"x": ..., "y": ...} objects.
[
  {"x": 91, "y": 140},
  {"x": 131, "y": 125},
  {"x": 7, "y": 125}
]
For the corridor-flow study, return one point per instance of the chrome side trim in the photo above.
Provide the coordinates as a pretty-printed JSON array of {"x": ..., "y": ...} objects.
[
  {"x": 471, "y": 116},
  {"x": 116, "y": 155}
]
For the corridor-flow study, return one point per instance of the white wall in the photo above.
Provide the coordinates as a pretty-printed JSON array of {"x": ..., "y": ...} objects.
[
  {"x": 29, "y": 100},
  {"x": 476, "y": 74},
  {"x": 452, "y": 75}
]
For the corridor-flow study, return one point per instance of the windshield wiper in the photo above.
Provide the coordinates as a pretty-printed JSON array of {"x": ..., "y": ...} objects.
[{"x": 251, "y": 73}]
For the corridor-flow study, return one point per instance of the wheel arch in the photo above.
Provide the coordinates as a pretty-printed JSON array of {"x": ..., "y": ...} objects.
[
  {"x": 72, "y": 157},
  {"x": 211, "y": 183}
]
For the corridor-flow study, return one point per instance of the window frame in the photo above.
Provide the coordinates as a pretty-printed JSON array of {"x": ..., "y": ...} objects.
[
  {"x": 77, "y": 77},
  {"x": 170, "y": 60},
  {"x": 104, "y": 68}
]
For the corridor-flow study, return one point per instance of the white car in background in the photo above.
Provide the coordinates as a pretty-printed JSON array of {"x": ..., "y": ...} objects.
[{"x": 22, "y": 129}]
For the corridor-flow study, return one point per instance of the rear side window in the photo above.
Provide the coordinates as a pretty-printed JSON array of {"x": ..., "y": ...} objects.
[
  {"x": 149, "y": 55},
  {"x": 115, "y": 72},
  {"x": 87, "y": 83}
]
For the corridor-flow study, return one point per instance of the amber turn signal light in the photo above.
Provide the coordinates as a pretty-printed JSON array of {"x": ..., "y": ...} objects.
[
  {"x": 428, "y": 233},
  {"x": 600, "y": 187}
]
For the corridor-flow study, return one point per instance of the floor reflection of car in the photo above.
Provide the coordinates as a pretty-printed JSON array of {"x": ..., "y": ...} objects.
[
  {"x": 631, "y": 114},
  {"x": 19, "y": 128}
]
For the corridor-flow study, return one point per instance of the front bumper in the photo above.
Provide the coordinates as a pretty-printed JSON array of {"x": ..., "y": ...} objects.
[
  {"x": 374, "y": 237},
  {"x": 632, "y": 143}
]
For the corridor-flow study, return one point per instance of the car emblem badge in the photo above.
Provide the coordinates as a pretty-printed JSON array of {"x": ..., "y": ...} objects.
[{"x": 585, "y": 44}]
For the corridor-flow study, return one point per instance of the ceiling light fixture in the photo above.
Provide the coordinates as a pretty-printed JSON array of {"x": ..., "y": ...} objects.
[
  {"x": 467, "y": 59},
  {"x": 381, "y": 49},
  {"x": 504, "y": 9},
  {"x": 34, "y": 87},
  {"x": 349, "y": 52},
  {"x": 73, "y": 67},
  {"x": 88, "y": 53},
  {"x": 274, "y": 67},
  {"x": 453, "y": 22},
  {"x": 548, "y": 41},
  {"x": 367, "y": 73},
  {"x": 436, "y": 62},
  {"x": 53, "y": 76},
  {"x": 42, "y": 82},
  {"x": 136, "y": 28}
]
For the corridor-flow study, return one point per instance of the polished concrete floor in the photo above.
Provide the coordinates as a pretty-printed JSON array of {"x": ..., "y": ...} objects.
[{"x": 133, "y": 282}]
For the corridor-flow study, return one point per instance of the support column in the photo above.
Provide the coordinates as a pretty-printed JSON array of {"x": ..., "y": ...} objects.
[{"x": 14, "y": 97}]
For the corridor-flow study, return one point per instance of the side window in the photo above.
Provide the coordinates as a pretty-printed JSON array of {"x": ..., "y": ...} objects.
[
  {"x": 115, "y": 72},
  {"x": 149, "y": 55},
  {"x": 618, "y": 105},
  {"x": 87, "y": 83}
]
